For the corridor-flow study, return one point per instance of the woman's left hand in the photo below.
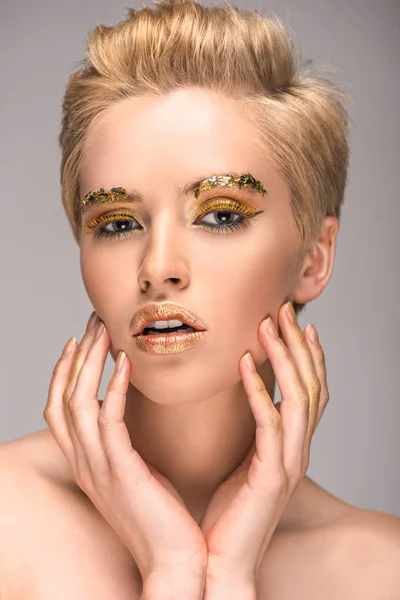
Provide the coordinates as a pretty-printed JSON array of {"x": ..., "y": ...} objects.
[{"x": 245, "y": 510}]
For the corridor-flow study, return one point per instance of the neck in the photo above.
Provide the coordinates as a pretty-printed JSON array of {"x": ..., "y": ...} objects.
[{"x": 195, "y": 445}]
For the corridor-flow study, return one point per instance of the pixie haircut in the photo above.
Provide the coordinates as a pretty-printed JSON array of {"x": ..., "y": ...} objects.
[{"x": 301, "y": 119}]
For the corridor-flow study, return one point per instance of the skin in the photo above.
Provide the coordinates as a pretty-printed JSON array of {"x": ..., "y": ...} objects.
[
  {"x": 239, "y": 278},
  {"x": 83, "y": 554}
]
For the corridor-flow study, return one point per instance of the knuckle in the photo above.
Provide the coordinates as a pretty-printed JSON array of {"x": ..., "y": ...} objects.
[
  {"x": 104, "y": 422},
  {"x": 300, "y": 336},
  {"x": 314, "y": 386},
  {"x": 303, "y": 399},
  {"x": 259, "y": 386},
  {"x": 47, "y": 414},
  {"x": 275, "y": 421},
  {"x": 57, "y": 367},
  {"x": 67, "y": 394},
  {"x": 280, "y": 483},
  {"x": 75, "y": 412},
  {"x": 285, "y": 353}
]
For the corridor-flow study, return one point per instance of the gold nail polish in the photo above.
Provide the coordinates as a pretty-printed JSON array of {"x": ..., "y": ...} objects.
[
  {"x": 92, "y": 321},
  {"x": 68, "y": 346},
  {"x": 270, "y": 327},
  {"x": 290, "y": 313},
  {"x": 99, "y": 330},
  {"x": 120, "y": 360}
]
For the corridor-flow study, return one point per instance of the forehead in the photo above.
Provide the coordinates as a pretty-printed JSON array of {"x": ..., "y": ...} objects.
[{"x": 174, "y": 137}]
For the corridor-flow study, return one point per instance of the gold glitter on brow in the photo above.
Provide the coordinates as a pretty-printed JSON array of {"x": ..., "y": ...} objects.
[
  {"x": 230, "y": 180},
  {"x": 101, "y": 197},
  {"x": 118, "y": 194}
]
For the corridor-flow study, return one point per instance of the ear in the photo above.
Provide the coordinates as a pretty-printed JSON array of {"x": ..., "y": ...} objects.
[{"x": 317, "y": 266}]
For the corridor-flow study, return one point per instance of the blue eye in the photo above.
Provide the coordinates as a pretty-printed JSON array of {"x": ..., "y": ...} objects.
[
  {"x": 226, "y": 216},
  {"x": 125, "y": 232},
  {"x": 125, "y": 221}
]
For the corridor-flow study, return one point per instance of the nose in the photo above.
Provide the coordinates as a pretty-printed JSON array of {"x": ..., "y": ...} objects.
[{"x": 164, "y": 266}]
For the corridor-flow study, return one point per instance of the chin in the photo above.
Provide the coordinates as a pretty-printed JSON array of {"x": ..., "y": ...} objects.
[{"x": 188, "y": 385}]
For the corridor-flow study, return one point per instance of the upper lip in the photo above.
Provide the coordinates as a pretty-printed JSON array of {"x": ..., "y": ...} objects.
[{"x": 164, "y": 312}]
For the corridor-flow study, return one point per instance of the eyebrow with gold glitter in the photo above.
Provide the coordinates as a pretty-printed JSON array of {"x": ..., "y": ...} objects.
[{"x": 118, "y": 194}]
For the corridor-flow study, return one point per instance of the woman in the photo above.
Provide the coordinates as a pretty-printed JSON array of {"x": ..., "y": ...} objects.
[{"x": 185, "y": 123}]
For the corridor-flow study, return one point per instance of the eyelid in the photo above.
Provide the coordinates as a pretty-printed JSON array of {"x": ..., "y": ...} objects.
[
  {"x": 218, "y": 203},
  {"x": 222, "y": 203},
  {"x": 107, "y": 218}
]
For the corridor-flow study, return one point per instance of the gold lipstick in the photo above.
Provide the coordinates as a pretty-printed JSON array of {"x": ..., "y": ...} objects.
[{"x": 166, "y": 343}]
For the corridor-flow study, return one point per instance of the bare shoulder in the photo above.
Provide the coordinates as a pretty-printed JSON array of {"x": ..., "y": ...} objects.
[
  {"x": 18, "y": 490},
  {"x": 369, "y": 543},
  {"x": 53, "y": 543},
  {"x": 335, "y": 550}
]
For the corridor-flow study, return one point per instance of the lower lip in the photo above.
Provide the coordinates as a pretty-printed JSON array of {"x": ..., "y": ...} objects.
[{"x": 168, "y": 344}]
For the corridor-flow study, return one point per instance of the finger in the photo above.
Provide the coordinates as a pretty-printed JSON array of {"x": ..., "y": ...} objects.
[
  {"x": 268, "y": 437},
  {"x": 299, "y": 348},
  {"x": 113, "y": 430},
  {"x": 294, "y": 405},
  {"x": 320, "y": 367},
  {"x": 71, "y": 417},
  {"x": 54, "y": 413},
  {"x": 84, "y": 405}
]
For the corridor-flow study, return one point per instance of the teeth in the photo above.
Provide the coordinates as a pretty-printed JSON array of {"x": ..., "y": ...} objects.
[{"x": 165, "y": 324}]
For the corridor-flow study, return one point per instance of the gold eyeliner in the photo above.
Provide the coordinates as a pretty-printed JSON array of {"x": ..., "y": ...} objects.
[
  {"x": 103, "y": 219},
  {"x": 222, "y": 204}
]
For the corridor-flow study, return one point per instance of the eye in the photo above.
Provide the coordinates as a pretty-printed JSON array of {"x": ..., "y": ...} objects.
[
  {"x": 229, "y": 221},
  {"x": 224, "y": 216},
  {"x": 231, "y": 215},
  {"x": 112, "y": 226}
]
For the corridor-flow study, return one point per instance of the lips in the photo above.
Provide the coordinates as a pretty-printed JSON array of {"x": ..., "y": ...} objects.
[{"x": 164, "y": 312}]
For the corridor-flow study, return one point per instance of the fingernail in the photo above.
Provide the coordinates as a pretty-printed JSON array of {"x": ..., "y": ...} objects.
[
  {"x": 270, "y": 327},
  {"x": 120, "y": 360},
  {"x": 249, "y": 362},
  {"x": 290, "y": 312},
  {"x": 92, "y": 321},
  {"x": 99, "y": 330},
  {"x": 68, "y": 346},
  {"x": 313, "y": 335}
]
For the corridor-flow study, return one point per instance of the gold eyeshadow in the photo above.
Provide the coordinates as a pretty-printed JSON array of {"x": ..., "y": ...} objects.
[
  {"x": 221, "y": 204},
  {"x": 119, "y": 194},
  {"x": 104, "y": 219},
  {"x": 215, "y": 204}
]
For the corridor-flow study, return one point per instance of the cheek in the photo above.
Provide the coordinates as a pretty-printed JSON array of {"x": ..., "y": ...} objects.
[
  {"x": 102, "y": 280},
  {"x": 255, "y": 289},
  {"x": 252, "y": 285}
]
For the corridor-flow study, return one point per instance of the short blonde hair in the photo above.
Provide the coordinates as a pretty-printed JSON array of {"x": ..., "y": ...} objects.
[{"x": 301, "y": 119}]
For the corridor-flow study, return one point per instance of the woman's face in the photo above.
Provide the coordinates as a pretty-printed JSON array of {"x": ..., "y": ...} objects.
[{"x": 231, "y": 279}]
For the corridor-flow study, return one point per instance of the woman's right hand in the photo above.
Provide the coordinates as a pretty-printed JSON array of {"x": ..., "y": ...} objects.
[{"x": 140, "y": 504}]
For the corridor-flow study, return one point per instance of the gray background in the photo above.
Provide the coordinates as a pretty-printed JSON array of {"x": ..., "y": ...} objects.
[{"x": 356, "y": 449}]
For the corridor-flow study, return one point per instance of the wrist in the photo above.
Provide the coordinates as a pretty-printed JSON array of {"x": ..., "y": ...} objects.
[
  {"x": 218, "y": 591},
  {"x": 170, "y": 585},
  {"x": 221, "y": 586}
]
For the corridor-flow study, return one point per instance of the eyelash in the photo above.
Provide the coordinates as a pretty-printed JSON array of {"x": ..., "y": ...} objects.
[{"x": 100, "y": 232}]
